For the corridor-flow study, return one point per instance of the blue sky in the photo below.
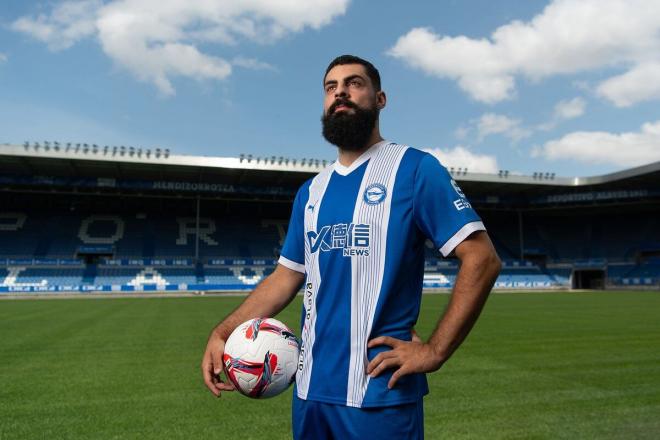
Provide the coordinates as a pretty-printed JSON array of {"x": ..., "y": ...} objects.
[{"x": 566, "y": 86}]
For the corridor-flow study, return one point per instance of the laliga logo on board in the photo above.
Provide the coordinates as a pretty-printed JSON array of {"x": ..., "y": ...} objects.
[{"x": 374, "y": 194}]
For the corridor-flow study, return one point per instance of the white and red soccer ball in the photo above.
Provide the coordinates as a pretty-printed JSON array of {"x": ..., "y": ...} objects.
[{"x": 261, "y": 357}]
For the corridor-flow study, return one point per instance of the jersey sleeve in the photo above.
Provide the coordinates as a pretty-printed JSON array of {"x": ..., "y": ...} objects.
[
  {"x": 441, "y": 210},
  {"x": 293, "y": 251}
]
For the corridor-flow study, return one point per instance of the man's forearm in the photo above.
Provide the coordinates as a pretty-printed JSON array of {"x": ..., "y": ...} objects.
[
  {"x": 474, "y": 282},
  {"x": 479, "y": 268},
  {"x": 270, "y": 297}
]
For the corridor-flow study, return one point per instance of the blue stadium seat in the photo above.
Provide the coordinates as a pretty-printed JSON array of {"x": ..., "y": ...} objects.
[{"x": 28, "y": 239}]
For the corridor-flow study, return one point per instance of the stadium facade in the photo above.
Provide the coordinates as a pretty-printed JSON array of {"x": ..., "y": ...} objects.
[{"x": 84, "y": 218}]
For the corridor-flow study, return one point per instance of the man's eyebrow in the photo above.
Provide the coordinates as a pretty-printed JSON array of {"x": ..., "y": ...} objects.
[{"x": 348, "y": 78}]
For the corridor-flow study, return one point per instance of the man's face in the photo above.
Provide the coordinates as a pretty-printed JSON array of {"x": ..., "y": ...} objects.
[
  {"x": 351, "y": 83},
  {"x": 350, "y": 107}
]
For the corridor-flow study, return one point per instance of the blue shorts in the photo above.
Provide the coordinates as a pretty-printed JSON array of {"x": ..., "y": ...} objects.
[{"x": 325, "y": 421}]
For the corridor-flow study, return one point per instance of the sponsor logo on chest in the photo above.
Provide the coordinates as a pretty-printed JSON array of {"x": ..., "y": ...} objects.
[{"x": 352, "y": 239}]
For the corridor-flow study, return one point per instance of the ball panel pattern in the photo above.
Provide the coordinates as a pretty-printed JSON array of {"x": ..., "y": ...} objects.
[{"x": 261, "y": 357}]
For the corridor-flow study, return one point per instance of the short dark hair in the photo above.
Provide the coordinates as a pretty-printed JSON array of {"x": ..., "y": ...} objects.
[{"x": 372, "y": 72}]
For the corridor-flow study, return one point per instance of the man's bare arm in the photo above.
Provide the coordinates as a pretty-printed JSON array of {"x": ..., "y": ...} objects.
[
  {"x": 478, "y": 271},
  {"x": 270, "y": 297}
]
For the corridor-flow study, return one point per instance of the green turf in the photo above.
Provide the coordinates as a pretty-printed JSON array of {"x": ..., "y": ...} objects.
[{"x": 541, "y": 365}]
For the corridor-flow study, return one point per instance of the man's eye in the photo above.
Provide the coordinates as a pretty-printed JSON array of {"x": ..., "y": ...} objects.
[
  {"x": 355, "y": 83},
  {"x": 330, "y": 89}
]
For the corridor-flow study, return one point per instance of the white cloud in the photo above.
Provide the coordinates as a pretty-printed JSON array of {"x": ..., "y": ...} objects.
[
  {"x": 68, "y": 23},
  {"x": 564, "y": 109},
  {"x": 3, "y": 57},
  {"x": 568, "y": 36},
  {"x": 251, "y": 63},
  {"x": 472, "y": 63},
  {"x": 623, "y": 149},
  {"x": 492, "y": 123},
  {"x": 461, "y": 157},
  {"x": 570, "y": 109},
  {"x": 157, "y": 40},
  {"x": 642, "y": 83},
  {"x": 461, "y": 132},
  {"x": 497, "y": 124}
]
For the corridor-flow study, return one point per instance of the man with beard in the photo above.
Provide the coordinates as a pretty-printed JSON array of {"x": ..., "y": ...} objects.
[{"x": 356, "y": 239}]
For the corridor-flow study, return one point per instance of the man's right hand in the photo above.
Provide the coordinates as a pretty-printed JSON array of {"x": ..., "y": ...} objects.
[
  {"x": 212, "y": 365},
  {"x": 267, "y": 299}
]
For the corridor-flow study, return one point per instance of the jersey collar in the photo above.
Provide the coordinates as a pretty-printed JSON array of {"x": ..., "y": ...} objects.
[{"x": 345, "y": 171}]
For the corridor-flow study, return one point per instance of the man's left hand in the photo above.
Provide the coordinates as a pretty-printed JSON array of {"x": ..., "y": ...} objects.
[{"x": 405, "y": 357}]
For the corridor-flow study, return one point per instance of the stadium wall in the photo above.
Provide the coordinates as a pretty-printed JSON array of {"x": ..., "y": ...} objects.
[{"x": 68, "y": 224}]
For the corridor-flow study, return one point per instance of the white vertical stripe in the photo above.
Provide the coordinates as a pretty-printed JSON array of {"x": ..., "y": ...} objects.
[
  {"x": 367, "y": 272},
  {"x": 316, "y": 190}
]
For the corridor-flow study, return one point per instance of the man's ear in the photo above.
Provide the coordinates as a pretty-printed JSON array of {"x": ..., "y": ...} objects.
[{"x": 381, "y": 99}]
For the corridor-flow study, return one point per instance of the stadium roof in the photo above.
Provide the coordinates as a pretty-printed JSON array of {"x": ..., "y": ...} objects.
[{"x": 92, "y": 161}]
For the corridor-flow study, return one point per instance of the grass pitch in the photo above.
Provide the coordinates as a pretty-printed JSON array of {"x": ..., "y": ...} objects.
[{"x": 541, "y": 365}]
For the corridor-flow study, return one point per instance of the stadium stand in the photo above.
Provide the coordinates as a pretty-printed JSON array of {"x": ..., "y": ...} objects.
[{"x": 71, "y": 222}]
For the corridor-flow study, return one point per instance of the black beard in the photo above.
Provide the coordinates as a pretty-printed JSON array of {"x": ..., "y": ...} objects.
[{"x": 350, "y": 132}]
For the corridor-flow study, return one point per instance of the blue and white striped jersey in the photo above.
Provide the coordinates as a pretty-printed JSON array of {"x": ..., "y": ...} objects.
[{"x": 358, "y": 234}]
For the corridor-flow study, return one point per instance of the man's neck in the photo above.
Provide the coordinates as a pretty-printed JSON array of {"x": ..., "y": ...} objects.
[{"x": 347, "y": 157}]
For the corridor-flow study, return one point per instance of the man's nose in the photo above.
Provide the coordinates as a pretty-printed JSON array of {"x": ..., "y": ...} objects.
[{"x": 341, "y": 91}]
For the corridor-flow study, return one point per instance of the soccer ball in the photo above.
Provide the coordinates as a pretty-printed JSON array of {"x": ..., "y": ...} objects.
[{"x": 261, "y": 357}]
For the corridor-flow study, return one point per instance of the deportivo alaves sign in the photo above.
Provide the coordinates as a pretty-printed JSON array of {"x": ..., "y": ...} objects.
[
  {"x": 202, "y": 187},
  {"x": 158, "y": 185},
  {"x": 594, "y": 196}
]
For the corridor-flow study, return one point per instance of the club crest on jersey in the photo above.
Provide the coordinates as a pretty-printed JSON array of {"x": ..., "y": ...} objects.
[
  {"x": 458, "y": 189},
  {"x": 351, "y": 238},
  {"x": 462, "y": 202},
  {"x": 374, "y": 194}
]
